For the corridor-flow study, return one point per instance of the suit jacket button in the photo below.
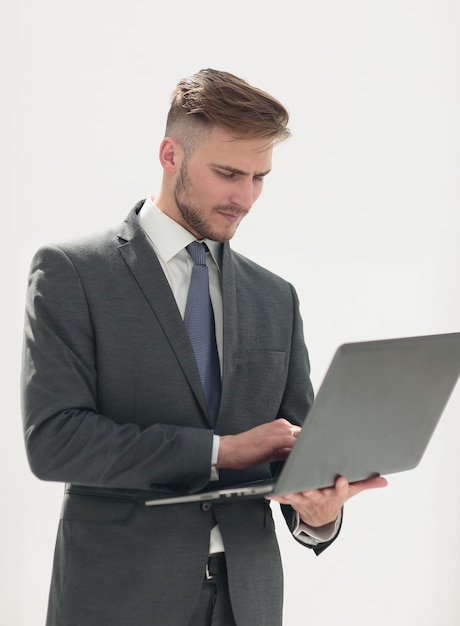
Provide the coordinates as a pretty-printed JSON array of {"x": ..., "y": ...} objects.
[{"x": 206, "y": 506}]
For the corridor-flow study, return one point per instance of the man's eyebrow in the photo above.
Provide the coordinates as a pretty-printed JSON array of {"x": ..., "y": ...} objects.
[{"x": 235, "y": 170}]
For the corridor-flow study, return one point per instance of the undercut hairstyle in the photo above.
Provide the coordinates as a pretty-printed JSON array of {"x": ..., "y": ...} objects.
[{"x": 212, "y": 98}]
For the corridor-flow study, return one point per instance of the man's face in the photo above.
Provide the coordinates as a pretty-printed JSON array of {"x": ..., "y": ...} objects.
[{"x": 218, "y": 184}]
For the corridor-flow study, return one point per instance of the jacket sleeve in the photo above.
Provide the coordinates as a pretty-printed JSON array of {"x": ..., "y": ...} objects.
[
  {"x": 67, "y": 438},
  {"x": 316, "y": 545}
]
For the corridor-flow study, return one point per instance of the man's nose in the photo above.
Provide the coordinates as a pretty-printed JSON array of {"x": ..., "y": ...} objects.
[{"x": 244, "y": 196}]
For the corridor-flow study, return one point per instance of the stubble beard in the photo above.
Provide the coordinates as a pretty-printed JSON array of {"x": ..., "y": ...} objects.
[{"x": 191, "y": 214}]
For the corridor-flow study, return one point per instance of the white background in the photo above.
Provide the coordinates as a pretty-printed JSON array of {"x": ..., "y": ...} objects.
[{"x": 363, "y": 200}]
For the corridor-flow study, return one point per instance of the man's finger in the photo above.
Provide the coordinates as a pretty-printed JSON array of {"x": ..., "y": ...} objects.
[{"x": 376, "y": 482}]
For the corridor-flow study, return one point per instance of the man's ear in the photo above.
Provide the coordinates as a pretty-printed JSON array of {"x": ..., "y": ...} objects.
[{"x": 170, "y": 155}]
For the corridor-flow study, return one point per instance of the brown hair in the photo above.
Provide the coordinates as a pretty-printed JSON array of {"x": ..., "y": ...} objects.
[{"x": 214, "y": 98}]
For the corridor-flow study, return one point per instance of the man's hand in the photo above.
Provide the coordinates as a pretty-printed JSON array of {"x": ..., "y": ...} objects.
[
  {"x": 263, "y": 444},
  {"x": 318, "y": 507}
]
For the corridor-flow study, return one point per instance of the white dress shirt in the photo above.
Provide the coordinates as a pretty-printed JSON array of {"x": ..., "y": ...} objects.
[{"x": 169, "y": 240}]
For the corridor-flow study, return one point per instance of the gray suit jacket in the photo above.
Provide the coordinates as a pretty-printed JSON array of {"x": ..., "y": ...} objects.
[{"x": 113, "y": 407}]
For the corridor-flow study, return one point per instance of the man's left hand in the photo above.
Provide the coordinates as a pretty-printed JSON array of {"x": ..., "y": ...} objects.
[{"x": 318, "y": 507}]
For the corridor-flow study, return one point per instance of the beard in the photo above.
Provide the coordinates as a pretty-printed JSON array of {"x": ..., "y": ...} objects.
[{"x": 192, "y": 215}]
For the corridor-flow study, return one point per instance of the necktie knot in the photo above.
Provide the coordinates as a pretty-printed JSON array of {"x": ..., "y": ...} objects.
[{"x": 197, "y": 251}]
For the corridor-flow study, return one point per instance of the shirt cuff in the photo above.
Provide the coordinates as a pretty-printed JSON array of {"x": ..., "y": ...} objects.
[
  {"x": 214, "y": 456},
  {"x": 312, "y": 536}
]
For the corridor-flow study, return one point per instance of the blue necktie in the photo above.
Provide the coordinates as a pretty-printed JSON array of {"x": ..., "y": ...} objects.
[{"x": 199, "y": 322}]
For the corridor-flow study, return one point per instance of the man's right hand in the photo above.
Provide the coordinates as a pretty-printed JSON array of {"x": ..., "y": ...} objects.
[{"x": 263, "y": 444}]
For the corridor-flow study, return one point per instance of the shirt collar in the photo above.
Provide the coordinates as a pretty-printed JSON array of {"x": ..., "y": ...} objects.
[{"x": 168, "y": 237}]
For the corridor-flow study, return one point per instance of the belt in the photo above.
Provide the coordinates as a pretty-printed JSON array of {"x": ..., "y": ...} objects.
[{"x": 216, "y": 566}]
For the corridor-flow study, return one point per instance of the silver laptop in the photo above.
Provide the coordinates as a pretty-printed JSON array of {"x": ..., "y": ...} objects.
[{"x": 374, "y": 414}]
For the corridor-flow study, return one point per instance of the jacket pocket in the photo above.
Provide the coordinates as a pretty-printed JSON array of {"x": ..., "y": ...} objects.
[{"x": 97, "y": 508}]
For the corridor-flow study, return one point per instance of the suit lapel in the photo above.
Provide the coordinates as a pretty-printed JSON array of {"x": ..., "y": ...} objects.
[{"x": 146, "y": 270}]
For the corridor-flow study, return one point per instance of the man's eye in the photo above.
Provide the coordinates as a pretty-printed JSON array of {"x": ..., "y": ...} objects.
[{"x": 227, "y": 175}]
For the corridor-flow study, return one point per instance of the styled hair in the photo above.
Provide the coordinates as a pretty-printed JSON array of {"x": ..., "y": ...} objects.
[{"x": 212, "y": 98}]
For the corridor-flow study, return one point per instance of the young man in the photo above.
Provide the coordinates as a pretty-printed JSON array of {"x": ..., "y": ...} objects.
[{"x": 117, "y": 401}]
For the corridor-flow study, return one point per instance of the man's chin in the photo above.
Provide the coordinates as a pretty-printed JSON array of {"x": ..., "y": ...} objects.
[{"x": 223, "y": 235}]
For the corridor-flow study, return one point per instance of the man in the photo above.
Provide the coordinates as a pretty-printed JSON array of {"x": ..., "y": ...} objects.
[{"x": 116, "y": 402}]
